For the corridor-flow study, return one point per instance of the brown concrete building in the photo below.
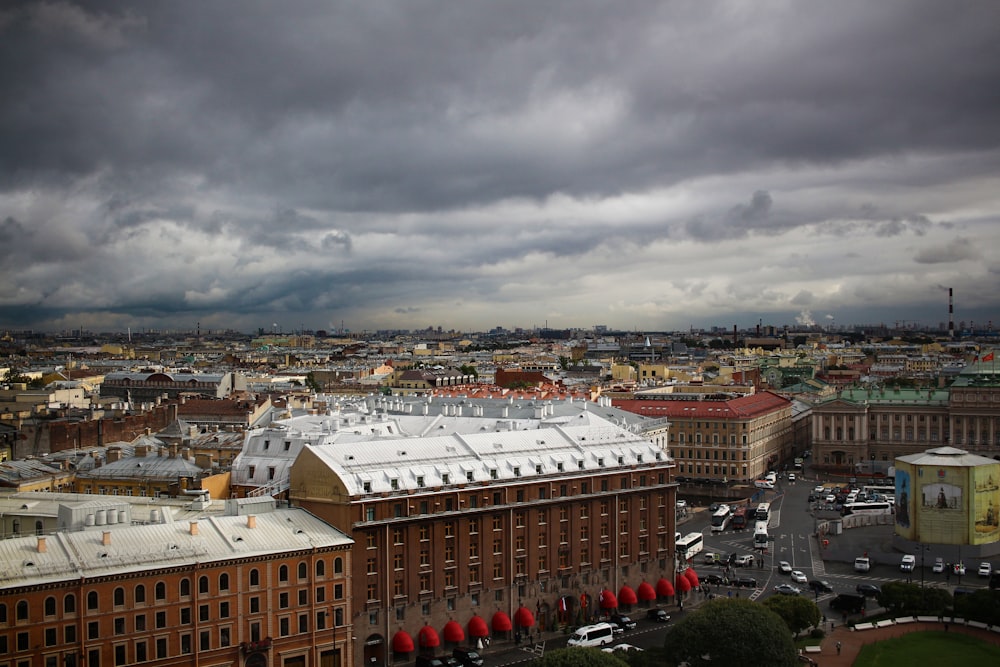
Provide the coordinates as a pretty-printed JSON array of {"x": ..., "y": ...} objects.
[
  {"x": 729, "y": 439},
  {"x": 252, "y": 590},
  {"x": 481, "y": 523}
]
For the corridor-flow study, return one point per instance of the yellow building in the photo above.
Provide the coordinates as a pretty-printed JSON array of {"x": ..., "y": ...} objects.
[{"x": 949, "y": 496}]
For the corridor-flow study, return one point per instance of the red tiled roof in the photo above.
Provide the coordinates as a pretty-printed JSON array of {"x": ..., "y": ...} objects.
[{"x": 745, "y": 407}]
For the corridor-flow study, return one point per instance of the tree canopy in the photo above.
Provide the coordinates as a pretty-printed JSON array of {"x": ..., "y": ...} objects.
[
  {"x": 735, "y": 633},
  {"x": 579, "y": 657},
  {"x": 798, "y": 613},
  {"x": 900, "y": 597}
]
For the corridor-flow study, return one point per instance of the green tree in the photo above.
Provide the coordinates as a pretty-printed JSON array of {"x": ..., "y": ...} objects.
[
  {"x": 798, "y": 613},
  {"x": 579, "y": 657},
  {"x": 469, "y": 370},
  {"x": 735, "y": 633},
  {"x": 900, "y": 597}
]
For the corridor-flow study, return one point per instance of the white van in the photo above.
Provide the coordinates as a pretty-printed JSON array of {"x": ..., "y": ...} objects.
[{"x": 598, "y": 634}]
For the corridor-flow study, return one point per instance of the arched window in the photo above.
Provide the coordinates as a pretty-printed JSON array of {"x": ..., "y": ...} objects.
[
  {"x": 303, "y": 570},
  {"x": 320, "y": 568},
  {"x": 69, "y": 604},
  {"x": 140, "y": 594},
  {"x": 185, "y": 588},
  {"x": 119, "y": 596},
  {"x": 283, "y": 573},
  {"x": 203, "y": 585},
  {"x": 93, "y": 601},
  {"x": 22, "y": 610},
  {"x": 224, "y": 582},
  {"x": 338, "y": 565},
  {"x": 255, "y": 577},
  {"x": 50, "y": 606},
  {"x": 38, "y": 528},
  {"x": 160, "y": 591}
]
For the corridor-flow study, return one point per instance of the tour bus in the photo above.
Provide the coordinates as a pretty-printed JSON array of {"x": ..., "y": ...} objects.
[
  {"x": 720, "y": 519},
  {"x": 880, "y": 489},
  {"x": 739, "y": 520},
  {"x": 763, "y": 512},
  {"x": 760, "y": 534},
  {"x": 598, "y": 634},
  {"x": 689, "y": 546},
  {"x": 866, "y": 508}
]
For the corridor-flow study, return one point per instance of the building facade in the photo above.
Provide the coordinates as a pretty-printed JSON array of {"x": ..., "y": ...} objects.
[
  {"x": 250, "y": 590},
  {"x": 486, "y": 525}
]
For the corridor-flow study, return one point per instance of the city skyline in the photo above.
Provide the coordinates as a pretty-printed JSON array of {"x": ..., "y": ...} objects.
[{"x": 648, "y": 166}]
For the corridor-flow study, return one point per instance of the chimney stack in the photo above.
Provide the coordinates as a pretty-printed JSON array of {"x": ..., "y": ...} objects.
[
  {"x": 251, "y": 521},
  {"x": 194, "y": 528},
  {"x": 106, "y": 538},
  {"x": 42, "y": 548}
]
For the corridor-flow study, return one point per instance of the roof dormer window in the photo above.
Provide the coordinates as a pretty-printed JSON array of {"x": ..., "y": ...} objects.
[
  {"x": 394, "y": 484},
  {"x": 420, "y": 481}
]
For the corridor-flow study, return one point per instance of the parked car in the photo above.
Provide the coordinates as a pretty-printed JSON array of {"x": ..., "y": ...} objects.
[
  {"x": 746, "y": 560},
  {"x": 680, "y": 504},
  {"x": 467, "y": 657},
  {"x": 938, "y": 565},
  {"x": 624, "y": 648},
  {"x": 799, "y": 577},
  {"x": 959, "y": 569},
  {"x": 862, "y": 564},
  {"x": 712, "y": 558},
  {"x": 746, "y": 582},
  {"x": 819, "y": 489},
  {"x": 657, "y": 615},
  {"x": 820, "y": 586},
  {"x": 985, "y": 569},
  {"x": 436, "y": 661},
  {"x": 714, "y": 579},
  {"x": 623, "y": 622},
  {"x": 785, "y": 567},
  {"x": 787, "y": 589},
  {"x": 868, "y": 590},
  {"x": 908, "y": 562}
]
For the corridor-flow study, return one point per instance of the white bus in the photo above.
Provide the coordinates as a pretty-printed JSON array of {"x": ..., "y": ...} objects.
[
  {"x": 866, "y": 508},
  {"x": 720, "y": 520},
  {"x": 598, "y": 634},
  {"x": 760, "y": 534},
  {"x": 690, "y": 545},
  {"x": 763, "y": 512}
]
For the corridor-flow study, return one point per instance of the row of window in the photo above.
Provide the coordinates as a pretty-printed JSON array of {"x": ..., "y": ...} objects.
[
  {"x": 50, "y": 604},
  {"x": 399, "y": 509}
]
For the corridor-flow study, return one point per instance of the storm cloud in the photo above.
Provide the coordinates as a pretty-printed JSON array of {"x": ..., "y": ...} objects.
[{"x": 650, "y": 165}]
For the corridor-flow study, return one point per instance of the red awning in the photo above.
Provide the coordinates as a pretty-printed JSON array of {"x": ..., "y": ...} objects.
[
  {"x": 683, "y": 583},
  {"x": 646, "y": 592},
  {"x": 626, "y": 595},
  {"x": 453, "y": 632},
  {"x": 428, "y": 637},
  {"x": 477, "y": 627},
  {"x": 664, "y": 588},
  {"x": 402, "y": 642},
  {"x": 501, "y": 622},
  {"x": 691, "y": 576},
  {"x": 608, "y": 600},
  {"x": 523, "y": 618}
]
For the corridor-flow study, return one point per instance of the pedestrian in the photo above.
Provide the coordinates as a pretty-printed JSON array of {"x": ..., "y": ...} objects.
[
  {"x": 838, "y": 648},
  {"x": 946, "y": 627},
  {"x": 730, "y": 592},
  {"x": 831, "y": 625}
]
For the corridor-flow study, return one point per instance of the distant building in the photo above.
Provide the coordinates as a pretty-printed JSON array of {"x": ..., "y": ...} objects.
[{"x": 149, "y": 386}]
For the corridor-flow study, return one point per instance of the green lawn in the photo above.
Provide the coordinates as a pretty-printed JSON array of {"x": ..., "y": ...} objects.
[{"x": 929, "y": 648}]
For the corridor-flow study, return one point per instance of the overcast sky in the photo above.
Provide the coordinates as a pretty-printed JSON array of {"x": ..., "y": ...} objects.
[{"x": 471, "y": 164}]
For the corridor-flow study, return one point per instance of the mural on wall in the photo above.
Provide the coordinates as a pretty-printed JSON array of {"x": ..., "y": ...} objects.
[
  {"x": 941, "y": 496},
  {"x": 986, "y": 504},
  {"x": 903, "y": 496}
]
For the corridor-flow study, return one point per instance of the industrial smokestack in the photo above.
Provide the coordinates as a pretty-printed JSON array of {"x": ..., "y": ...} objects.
[{"x": 951, "y": 313}]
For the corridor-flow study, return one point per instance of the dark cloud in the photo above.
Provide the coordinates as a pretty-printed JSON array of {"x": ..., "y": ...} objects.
[{"x": 191, "y": 157}]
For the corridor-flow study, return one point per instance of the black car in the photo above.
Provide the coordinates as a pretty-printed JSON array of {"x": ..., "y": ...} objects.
[
  {"x": 746, "y": 582},
  {"x": 436, "y": 661},
  {"x": 657, "y": 615},
  {"x": 868, "y": 590},
  {"x": 467, "y": 657},
  {"x": 820, "y": 586},
  {"x": 623, "y": 622},
  {"x": 713, "y": 579}
]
